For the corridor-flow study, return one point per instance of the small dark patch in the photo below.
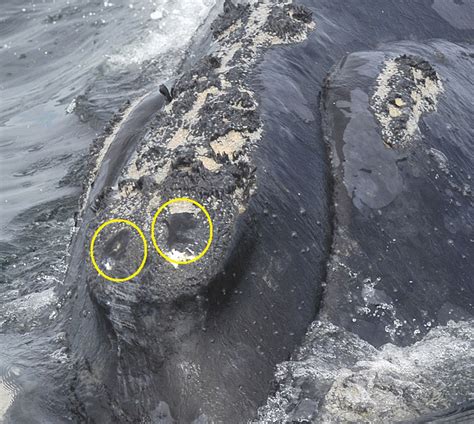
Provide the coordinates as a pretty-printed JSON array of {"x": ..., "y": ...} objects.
[
  {"x": 288, "y": 21},
  {"x": 166, "y": 93},
  {"x": 179, "y": 228},
  {"x": 230, "y": 15},
  {"x": 116, "y": 246}
]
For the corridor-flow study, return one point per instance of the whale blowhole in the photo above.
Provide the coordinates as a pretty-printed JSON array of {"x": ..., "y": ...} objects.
[{"x": 182, "y": 231}]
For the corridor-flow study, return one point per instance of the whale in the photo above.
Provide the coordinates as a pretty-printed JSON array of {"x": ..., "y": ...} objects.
[
  {"x": 328, "y": 146},
  {"x": 394, "y": 330},
  {"x": 392, "y": 340},
  {"x": 200, "y": 342},
  {"x": 196, "y": 341},
  {"x": 396, "y": 177}
]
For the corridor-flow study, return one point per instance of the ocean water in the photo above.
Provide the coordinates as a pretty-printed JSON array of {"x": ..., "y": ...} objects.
[{"x": 65, "y": 69}]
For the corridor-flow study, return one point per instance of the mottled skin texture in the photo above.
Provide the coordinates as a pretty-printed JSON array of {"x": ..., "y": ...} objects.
[
  {"x": 397, "y": 237},
  {"x": 167, "y": 338},
  {"x": 395, "y": 332},
  {"x": 171, "y": 333},
  {"x": 213, "y": 352}
]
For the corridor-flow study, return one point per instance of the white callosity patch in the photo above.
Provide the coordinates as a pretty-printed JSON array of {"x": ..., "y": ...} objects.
[
  {"x": 178, "y": 255},
  {"x": 406, "y": 88},
  {"x": 183, "y": 207},
  {"x": 337, "y": 377},
  {"x": 424, "y": 98},
  {"x": 183, "y": 130}
]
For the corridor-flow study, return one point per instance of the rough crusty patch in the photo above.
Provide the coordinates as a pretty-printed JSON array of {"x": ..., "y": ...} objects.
[{"x": 407, "y": 88}]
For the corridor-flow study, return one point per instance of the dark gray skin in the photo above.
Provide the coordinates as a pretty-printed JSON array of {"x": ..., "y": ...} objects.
[
  {"x": 123, "y": 145},
  {"x": 399, "y": 214},
  {"x": 200, "y": 341},
  {"x": 128, "y": 342},
  {"x": 404, "y": 212}
]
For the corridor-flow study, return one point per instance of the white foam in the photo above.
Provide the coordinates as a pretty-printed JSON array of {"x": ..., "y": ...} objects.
[
  {"x": 172, "y": 26},
  {"x": 365, "y": 384},
  {"x": 6, "y": 399},
  {"x": 8, "y": 389}
]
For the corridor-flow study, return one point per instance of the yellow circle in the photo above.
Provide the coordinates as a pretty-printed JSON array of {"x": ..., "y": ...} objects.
[
  {"x": 145, "y": 250},
  {"x": 209, "y": 220}
]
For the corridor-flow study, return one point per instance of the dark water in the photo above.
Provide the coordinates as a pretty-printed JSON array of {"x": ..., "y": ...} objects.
[{"x": 65, "y": 68}]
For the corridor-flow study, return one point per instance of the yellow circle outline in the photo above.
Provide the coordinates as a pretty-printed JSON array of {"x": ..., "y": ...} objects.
[
  {"x": 145, "y": 250},
  {"x": 209, "y": 220}
]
